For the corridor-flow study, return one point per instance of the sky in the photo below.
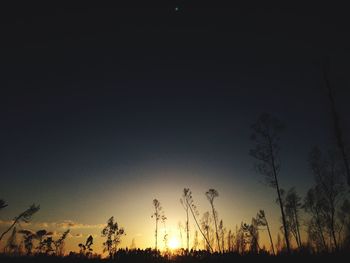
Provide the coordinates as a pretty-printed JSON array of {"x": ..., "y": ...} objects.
[{"x": 103, "y": 110}]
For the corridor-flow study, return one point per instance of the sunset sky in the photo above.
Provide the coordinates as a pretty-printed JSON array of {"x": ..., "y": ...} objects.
[{"x": 103, "y": 110}]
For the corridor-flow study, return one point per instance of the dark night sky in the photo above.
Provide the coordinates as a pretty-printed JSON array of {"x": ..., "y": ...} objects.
[{"x": 87, "y": 91}]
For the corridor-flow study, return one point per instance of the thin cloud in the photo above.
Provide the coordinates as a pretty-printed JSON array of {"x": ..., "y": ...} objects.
[
  {"x": 75, "y": 225},
  {"x": 63, "y": 225}
]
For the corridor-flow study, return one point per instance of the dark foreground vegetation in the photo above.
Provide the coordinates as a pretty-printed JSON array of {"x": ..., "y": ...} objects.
[{"x": 148, "y": 256}]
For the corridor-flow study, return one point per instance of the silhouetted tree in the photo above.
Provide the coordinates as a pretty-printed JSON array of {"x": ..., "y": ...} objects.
[
  {"x": 165, "y": 237},
  {"x": 45, "y": 241},
  {"x": 189, "y": 200},
  {"x": 254, "y": 233},
  {"x": 28, "y": 237},
  {"x": 313, "y": 205},
  {"x": 157, "y": 215},
  {"x": 25, "y": 216},
  {"x": 315, "y": 243},
  {"x": 344, "y": 218},
  {"x": 222, "y": 232},
  {"x": 251, "y": 236},
  {"x": 241, "y": 241},
  {"x": 40, "y": 235},
  {"x": 336, "y": 122},
  {"x": 262, "y": 221},
  {"x": 266, "y": 137},
  {"x": 86, "y": 249},
  {"x": 287, "y": 217},
  {"x": 230, "y": 241},
  {"x": 113, "y": 233},
  {"x": 205, "y": 223},
  {"x": 46, "y": 245},
  {"x": 292, "y": 209},
  {"x": 211, "y": 194},
  {"x": 186, "y": 207},
  {"x": 11, "y": 244},
  {"x": 195, "y": 241},
  {"x": 59, "y": 244},
  {"x": 329, "y": 188}
]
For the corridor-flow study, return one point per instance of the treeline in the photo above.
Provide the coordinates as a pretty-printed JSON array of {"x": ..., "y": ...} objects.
[
  {"x": 317, "y": 223},
  {"x": 324, "y": 213}
]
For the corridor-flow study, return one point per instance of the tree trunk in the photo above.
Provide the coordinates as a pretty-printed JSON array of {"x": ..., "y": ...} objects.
[
  {"x": 320, "y": 230},
  {"x": 279, "y": 197},
  {"x": 297, "y": 227},
  {"x": 283, "y": 217},
  {"x": 333, "y": 230},
  {"x": 216, "y": 227},
  {"x": 195, "y": 220},
  {"x": 268, "y": 230},
  {"x": 4, "y": 233},
  {"x": 188, "y": 234},
  {"x": 337, "y": 128},
  {"x": 156, "y": 233},
  {"x": 208, "y": 237}
]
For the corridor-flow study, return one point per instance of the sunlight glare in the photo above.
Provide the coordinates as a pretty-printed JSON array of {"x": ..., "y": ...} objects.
[{"x": 174, "y": 243}]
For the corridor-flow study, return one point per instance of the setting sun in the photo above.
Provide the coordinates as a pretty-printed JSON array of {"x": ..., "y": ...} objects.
[
  {"x": 180, "y": 132},
  {"x": 174, "y": 243}
]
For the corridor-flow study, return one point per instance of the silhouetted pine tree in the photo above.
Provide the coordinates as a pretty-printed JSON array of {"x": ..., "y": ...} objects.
[{"x": 266, "y": 152}]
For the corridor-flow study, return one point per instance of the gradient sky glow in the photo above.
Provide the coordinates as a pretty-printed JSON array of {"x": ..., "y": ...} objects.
[{"x": 104, "y": 110}]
